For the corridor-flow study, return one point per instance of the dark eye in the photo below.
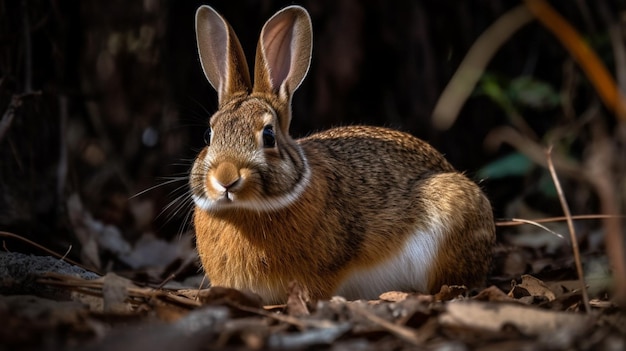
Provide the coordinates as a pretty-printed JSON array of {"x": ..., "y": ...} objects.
[
  {"x": 269, "y": 138},
  {"x": 207, "y": 136}
]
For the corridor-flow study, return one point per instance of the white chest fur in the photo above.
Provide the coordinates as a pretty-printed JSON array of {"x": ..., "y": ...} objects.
[{"x": 407, "y": 271}]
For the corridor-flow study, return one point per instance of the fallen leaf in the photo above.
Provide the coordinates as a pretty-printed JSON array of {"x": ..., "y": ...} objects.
[
  {"x": 494, "y": 317},
  {"x": 297, "y": 300},
  {"x": 394, "y": 296},
  {"x": 493, "y": 294},
  {"x": 449, "y": 292},
  {"x": 218, "y": 295},
  {"x": 115, "y": 293},
  {"x": 409, "y": 335},
  {"x": 531, "y": 286},
  {"x": 308, "y": 339}
]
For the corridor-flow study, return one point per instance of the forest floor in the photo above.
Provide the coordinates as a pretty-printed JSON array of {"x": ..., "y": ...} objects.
[{"x": 48, "y": 304}]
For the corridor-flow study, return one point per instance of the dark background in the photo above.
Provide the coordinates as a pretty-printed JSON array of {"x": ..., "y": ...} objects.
[{"x": 112, "y": 99}]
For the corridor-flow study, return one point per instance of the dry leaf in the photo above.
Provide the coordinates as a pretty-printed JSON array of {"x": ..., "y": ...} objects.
[
  {"x": 394, "y": 296},
  {"x": 531, "y": 286},
  {"x": 449, "y": 292},
  {"x": 297, "y": 300},
  {"x": 493, "y": 294},
  {"x": 217, "y": 295},
  {"x": 494, "y": 317},
  {"x": 115, "y": 293},
  {"x": 308, "y": 338}
]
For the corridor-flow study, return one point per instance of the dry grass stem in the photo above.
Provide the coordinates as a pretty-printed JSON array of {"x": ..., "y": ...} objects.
[
  {"x": 46, "y": 250},
  {"x": 511, "y": 222},
  {"x": 572, "y": 231}
]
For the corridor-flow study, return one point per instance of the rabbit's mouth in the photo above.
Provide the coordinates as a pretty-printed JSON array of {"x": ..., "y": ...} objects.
[
  {"x": 224, "y": 197},
  {"x": 206, "y": 203},
  {"x": 227, "y": 197},
  {"x": 215, "y": 196}
]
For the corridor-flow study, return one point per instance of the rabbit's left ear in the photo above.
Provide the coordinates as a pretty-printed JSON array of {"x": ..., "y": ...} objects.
[
  {"x": 221, "y": 55},
  {"x": 283, "y": 53}
]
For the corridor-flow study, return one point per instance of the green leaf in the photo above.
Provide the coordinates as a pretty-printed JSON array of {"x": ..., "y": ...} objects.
[
  {"x": 514, "y": 164},
  {"x": 528, "y": 91}
]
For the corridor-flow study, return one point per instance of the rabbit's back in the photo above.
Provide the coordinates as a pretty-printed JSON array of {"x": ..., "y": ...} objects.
[
  {"x": 412, "y": 222},
  {"x": 379, "y": 150}
]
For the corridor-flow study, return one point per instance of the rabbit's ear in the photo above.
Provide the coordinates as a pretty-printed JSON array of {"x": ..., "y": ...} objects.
[
  {"x": 221, "y": 55},
  {"x": 284, "y": 52}
]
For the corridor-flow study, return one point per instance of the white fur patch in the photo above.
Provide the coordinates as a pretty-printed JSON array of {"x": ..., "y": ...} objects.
[
  {"x": 268, "y": 204},
  {"x": 407, "y": 271}
]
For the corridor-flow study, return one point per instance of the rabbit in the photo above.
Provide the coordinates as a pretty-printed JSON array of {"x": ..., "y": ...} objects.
[{"x": 353, "y": 211}]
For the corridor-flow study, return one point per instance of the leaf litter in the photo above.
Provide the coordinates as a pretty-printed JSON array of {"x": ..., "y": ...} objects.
[{"x": 113, "y": 312}]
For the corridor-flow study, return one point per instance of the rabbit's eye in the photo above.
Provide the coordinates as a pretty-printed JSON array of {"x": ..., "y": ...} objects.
[
  {"x": 269, "y": 138},
  {"x": 207, "y": 136}
]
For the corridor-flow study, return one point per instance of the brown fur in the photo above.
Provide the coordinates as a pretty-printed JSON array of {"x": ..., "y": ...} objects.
[{"x": 369, "y": 190}]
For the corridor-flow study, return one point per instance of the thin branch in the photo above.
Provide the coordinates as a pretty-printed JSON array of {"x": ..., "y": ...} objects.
[
  {"x": 405, "y": 333},
  {"x": 510, "y": 222},
  {"x": 536, "y": 224},
  {"x": 572, "y": 231},
  {"x": 600, "y": 169},
  {"x": 45, "y": 249}
]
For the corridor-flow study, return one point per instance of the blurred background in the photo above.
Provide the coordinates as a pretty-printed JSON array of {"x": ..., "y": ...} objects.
[{"x": 103, "y": 105}]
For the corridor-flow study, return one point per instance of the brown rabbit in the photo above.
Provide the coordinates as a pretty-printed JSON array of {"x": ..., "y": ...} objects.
[{"x": 353, "y": 211}]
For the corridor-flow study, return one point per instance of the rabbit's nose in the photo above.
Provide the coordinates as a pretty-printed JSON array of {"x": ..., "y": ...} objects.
[{"x": 226, "y": 176}]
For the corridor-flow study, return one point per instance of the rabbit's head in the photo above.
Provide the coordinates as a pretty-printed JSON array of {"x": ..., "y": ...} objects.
[{"x": 250, "y": 160}]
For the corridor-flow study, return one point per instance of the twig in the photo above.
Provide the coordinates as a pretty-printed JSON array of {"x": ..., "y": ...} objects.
[
  {"x": 526, "y": 221},
  {"x": 572, "y": 231},
  {"x": 407, "y": 334},
  {"x": 600, "y": 166},
  {"x": 67, "y": 252},
  {"x": 94, "y": 288},
  {"x": 48, "y": 251},
  {"x": 473, "y": 65},
  {"x": 166, "y": 280},
  {"x": 197, "y": 298},
  {"x": 510, "y": 222},
  {"x": 614, "y": 237},
  {"x": 300, "y": 323}
]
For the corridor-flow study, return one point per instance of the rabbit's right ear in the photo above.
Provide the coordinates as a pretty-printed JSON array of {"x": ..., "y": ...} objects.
[
  {"x": 283, "y": 52},
  {"x": 222, "y": 58}
]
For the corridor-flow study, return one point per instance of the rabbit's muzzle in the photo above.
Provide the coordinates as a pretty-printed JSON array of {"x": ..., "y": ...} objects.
[{"x": 225, "y": 180}]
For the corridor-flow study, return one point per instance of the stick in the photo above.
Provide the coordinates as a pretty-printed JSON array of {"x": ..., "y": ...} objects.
[{"x": 572, "y": 231}]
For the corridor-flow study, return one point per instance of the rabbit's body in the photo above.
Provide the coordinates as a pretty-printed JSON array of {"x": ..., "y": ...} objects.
[{"x": 354, "y": 211}]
